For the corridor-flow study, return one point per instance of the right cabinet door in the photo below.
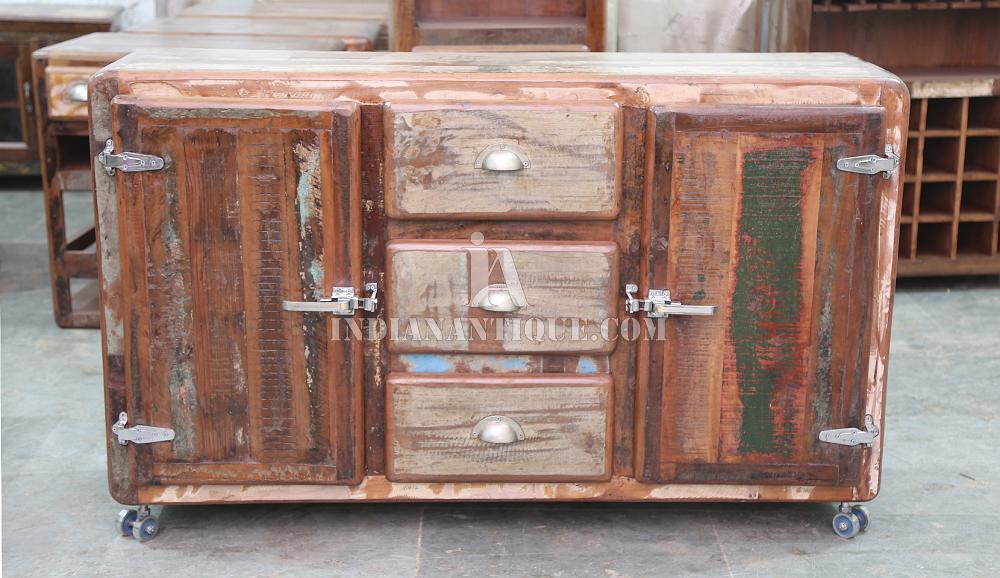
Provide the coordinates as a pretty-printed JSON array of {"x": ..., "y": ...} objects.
[{"x": 749, "y": 213}]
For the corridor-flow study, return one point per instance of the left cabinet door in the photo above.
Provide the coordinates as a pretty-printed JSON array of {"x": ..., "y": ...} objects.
[{"x": 256, "y": 205}]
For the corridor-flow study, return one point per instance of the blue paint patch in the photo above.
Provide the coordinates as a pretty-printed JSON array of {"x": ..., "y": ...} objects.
[
  {"x": 586, "y": 365},
  {"x": 515, "y": 364},
  {"x": 427, "y": 363}
]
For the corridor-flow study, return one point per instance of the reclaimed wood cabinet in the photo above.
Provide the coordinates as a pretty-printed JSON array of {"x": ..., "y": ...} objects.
[{"x": 544, "y": 277}]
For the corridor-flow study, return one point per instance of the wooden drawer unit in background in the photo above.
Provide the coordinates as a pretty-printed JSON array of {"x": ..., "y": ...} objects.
[
  {"x": 23, "y": 29},
  {"x": 732, "y": 230},
  {"x": 355, "y": 34},
  {"x": 61, "y": 74},
  {"x": 544, "y": 25}
]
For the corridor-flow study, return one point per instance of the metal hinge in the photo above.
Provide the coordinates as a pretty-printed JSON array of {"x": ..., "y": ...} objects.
[
  {"x": 139, "y": 434},
  {"x": 126, "y": 161},
  {"x": 852, "y": 436},
  {"x": 658, "y": 304},
  {"x": 871, "y": 164},
  {"x": 342, "y": 301}
]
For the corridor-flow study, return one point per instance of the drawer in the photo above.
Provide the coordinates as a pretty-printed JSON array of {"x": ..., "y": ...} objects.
[
  {"x": 503, "y": 162},
  {"x": 501, "y": 297},
  {"x": 67, "y": 91},
  {"x": 475, "y": 427}
]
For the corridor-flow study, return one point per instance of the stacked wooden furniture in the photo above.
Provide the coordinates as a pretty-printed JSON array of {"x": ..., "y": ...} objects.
[
  {"x": 355, "y": 34},
  {"x": 949, "y": 54},
  {"x": 368, "y": 10},
  {"x": 24, "y": 28},
  {"x": 255, "y": 212},
  {"x": 499, "y": 25},
  {"x": 61, "y": 74}
]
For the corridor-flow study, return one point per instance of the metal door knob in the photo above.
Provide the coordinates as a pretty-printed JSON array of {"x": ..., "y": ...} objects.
[
  {"x": 502, "y": 158},
  {"x": 498, "y": 429}
]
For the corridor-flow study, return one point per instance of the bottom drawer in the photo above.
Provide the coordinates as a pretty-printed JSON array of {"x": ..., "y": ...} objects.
[{"x": 478, "y": 427}]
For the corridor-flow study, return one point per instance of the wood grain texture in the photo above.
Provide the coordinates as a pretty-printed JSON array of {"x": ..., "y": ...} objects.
[
  {"x": 431, "y": 281},
  {"x": 240, "y": 380},
  {"x": 432, "y": 152},
  {"x": 566, "y": 422}
]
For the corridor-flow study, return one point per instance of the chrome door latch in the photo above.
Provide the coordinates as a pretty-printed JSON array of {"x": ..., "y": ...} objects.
[
  {"x": 871, "y": 164},
  {"x": 852, "y": 436},
  {"x": 342, "y": 301},
  {"x": 126, "y": 161},
  {"x": 139, "y": 434},
  {"x": 658, "y": 304}
]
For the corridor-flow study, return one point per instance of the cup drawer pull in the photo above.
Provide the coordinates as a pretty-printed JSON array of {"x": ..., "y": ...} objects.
[
  {"x": 77, "y": 91},
  {"x": 502, "y": 158},
  {"x": 498, "y": 429}
]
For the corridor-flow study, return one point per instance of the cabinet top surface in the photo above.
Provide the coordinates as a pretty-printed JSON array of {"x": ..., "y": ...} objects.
[
  {"x": 787, "y": 66},
  {"x": 110, "y": 46},
  {"x": 58, "y": 13},
  {"x": 284, "y": 27}
]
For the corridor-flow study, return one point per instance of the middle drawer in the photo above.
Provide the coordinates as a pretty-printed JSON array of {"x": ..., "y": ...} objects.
[{"x": 501, "y": 296}]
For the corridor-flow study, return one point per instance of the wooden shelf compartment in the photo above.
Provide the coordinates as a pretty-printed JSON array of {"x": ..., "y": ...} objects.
[
  {"x": 937, "y": 202},
  {"x": 977, "y": 239},
  {"x": 940, "y": 158},
  {"x": 935, "y": 240},
  {"x": 982, "y": 158},
  {"x": 979, "y": 201}
]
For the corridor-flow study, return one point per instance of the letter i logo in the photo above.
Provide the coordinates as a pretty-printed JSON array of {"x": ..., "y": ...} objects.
[{"x": 485, "y": 291}]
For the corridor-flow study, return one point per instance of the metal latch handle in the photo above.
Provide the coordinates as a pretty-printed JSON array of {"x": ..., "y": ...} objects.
[
  {"x": 852, "y": 436},
  {"x": 342, "y": 301},
  {"x": 658, "y": 304},
  {"x": 871, "y": 164},
  {"x": 139, "y": 434},
  {"x": 128, "y": 162}
]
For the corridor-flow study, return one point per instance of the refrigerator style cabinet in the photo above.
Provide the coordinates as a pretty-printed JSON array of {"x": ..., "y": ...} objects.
[{"x": 395, "y": 277}]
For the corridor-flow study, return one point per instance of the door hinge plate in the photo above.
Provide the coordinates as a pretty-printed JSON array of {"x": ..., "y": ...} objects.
[
  {"x": 871, "y": 164},
  {"x": 852, "y": 436},
  {"x": 139, "y": 434},
  {"x": 127, "y": 162},
  {"x": 342, "y": 301},
  {"x": 658, "y": 304}
]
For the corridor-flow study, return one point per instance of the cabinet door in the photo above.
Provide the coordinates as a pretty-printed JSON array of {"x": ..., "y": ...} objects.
[
  {"x": 17, "y": 117},
  {"x": 256, "y": 205},
  {"x": 750, "y": 214}
]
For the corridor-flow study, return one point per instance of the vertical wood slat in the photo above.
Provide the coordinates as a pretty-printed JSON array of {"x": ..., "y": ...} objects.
[{"x": 213, "y": 203}]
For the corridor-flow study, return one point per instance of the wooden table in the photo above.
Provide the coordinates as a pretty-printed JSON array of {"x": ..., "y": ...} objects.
[{"x": 355, "y": 34}]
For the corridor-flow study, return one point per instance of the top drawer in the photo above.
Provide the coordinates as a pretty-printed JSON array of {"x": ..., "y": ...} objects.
[
  {"x": 503, "y": 162},
  {"x": 67, "y": 91}
]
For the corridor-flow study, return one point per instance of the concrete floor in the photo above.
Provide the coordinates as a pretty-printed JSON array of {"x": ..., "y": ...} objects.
[{"x": 938, "y": 513}]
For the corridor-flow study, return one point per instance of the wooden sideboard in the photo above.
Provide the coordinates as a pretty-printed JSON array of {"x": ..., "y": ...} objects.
[{"x": 601, "y": 277}]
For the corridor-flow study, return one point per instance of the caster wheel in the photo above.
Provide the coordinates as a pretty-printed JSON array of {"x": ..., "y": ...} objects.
[
  {"x": 145, "y": 529},
  {"x": 863, "y": 516},
  {"x": 125, "y": 520},
  {"x": 846, "y": 525}
]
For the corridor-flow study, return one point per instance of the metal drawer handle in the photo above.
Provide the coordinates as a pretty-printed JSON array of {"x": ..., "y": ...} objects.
[
  {"x": 496, "y": 297},
  {"x": 77, "y": 91},
  {"x": 502, "y": 158},
  {"x": 498, "y": 429}
]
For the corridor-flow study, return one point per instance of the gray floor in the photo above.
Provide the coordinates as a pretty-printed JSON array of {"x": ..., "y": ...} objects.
[{"x": 938, "y": 513}]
